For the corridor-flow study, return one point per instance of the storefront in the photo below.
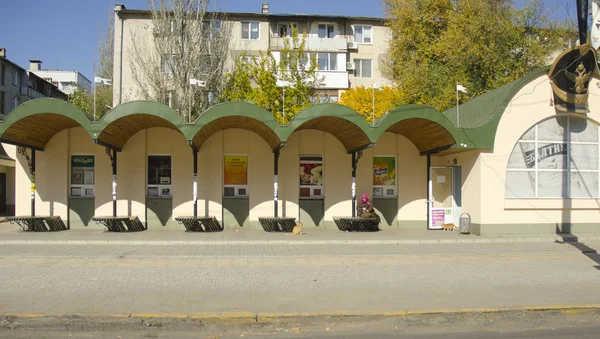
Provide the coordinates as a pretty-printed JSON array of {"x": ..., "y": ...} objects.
[{"x": 515, "y": 164}]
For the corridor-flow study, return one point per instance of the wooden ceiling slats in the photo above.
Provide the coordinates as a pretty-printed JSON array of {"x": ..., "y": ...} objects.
[
  {"x": 346, "y": 132},
  {"x": 241, "y": 122},
  {"x": 424, "y": 134},
  {"x": 37, "y": 130}
]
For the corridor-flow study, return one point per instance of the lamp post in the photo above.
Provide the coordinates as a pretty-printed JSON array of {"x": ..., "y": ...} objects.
[
  {"x": 284, "y": 84},
  {"x": 194, "y": 82},
  {"x": 374, "y": 86}
]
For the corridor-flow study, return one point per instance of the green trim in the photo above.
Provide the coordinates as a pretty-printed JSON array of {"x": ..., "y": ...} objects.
[
  {"x": 46, "y": 106},
  {"x": 328, "y": 110},
  {"x": 422, "y": 112},
  {"x": 241, "y": 109},
  {"x": 142, "y": 107}
]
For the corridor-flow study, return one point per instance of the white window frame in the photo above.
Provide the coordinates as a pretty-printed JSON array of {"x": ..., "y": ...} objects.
[
  {"x": 313, "y": 187},
  {"x": 327, "y": 25},
  {"x": 359, "y": 68},
  {"x": 14, "y": 102},
  {"x": 329, "y": 56},
  {"x": 363, "y": 28},
  {"x": 249, "y": 23},
  {"x": 84, "y": 190},
  {"x": 383, "y": 190},
  {"x": 160, "y": 188},
  {"x": 239, "y": 190},
  {"x": 213, "y": 27},
  {"x": 569, "y": 171}
]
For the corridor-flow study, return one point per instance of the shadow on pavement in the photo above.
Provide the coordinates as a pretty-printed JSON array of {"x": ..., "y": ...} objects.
[{"x": 589, "y": 252}]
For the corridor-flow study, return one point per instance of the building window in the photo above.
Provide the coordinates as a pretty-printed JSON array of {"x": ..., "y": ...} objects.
[
  {"x": 82, "y": 176},
  {"x": 327, "y": 61},
  {"x": 159, "y": 175},
  {"x": 15, "y": 78},
  {"x": 326, "y": 31},
  {"x": 557, "y": 158},
  {"x": 249, "y": 59},
  {"x": 14, "y": 103},
  {"x": 2, "y": 74},
  {"x": 235, "y": 175},
  {"x": 250, "y": 30},
  {"x": 362, "y": 34},
  {"x": 211, "y": 29},
  {"x": 384, "y": 176},
  {"x": 2, "y": 111},
  {"x": 285, "y": 30},
  {"x": 311, "y": 176},
  {"x": 168, "y": 63},
  {"x": 363, "y": 68}
]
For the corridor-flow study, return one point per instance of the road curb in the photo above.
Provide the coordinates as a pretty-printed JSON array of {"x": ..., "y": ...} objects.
[
  {"x": 459, "y": 240},
  {"x": 251, "y": 317}
]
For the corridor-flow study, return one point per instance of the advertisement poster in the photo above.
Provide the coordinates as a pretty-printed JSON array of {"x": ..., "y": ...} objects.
[
  {"x": 437, "y": 217},
  {"x": 311, "y": 174},
  {"x": 384, "y": 171},
  {"x": 236, "y": 170},
  {"x": 82, "y": 170}
]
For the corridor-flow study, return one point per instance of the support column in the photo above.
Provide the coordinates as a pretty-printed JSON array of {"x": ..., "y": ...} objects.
[
  {"x": 32, "y": 182},
  {"x": 275, "y": 182},
  {"x": 114, "y": 182},
  {"x": 354, "y": 160},
  {"x": 428, "y": 187},
  {"x": 195, "y": 183}
]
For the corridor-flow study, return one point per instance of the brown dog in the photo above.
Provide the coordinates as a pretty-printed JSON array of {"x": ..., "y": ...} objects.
[
  {"x": 448, "y": 227},
  {"x": 297, "y": 230}
]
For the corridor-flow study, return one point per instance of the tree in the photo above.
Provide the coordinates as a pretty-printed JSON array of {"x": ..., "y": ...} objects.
[
  {"x": 256, "y": 79},
  {"x": 190, "y": 42},
  {"x": 81, "y": 99},
  {"x": 104, "y": 67},
  {"x": 361, "y": 100},
  {"x": 481, "y": 44}
]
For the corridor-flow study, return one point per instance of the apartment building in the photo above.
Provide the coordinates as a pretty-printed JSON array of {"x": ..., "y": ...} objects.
[
  {"x": 13, "y": 84},
  {"x": 349, "y": 50},
  {"x": 66, "y": 81}
]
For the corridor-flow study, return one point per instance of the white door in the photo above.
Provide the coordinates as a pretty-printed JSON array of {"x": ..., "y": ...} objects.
[{"x": 441, "y": 200}]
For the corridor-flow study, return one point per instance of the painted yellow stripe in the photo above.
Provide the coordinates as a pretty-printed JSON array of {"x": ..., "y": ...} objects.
[{"x": 249, "y": 316}]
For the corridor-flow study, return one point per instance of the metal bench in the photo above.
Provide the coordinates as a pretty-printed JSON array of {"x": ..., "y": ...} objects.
[
  {"x": 200, "y": 224},
  {"x": 121, "y": 224},
  {"x": 277, "y": 224},
  {"x": 38, "y": 223},
  {"x": 357, "y": 224}
]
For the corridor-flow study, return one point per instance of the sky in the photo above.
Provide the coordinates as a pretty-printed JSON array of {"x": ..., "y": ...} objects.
[{"x": 64, "y": 34}]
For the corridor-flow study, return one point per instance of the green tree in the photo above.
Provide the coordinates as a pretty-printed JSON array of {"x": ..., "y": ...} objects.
[
  {"x": 82, "y": 100},
  {"x": 255, "y": 79},
  {"x": 365, "y": 99},
  {"x": 481, "y": 44}
]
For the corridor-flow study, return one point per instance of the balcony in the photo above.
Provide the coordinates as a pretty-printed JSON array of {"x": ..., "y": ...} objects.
[
  {"x": 334, "y": 79},
  {"x": 33, "y": 94},
  {"x": 315, "y": 44}
]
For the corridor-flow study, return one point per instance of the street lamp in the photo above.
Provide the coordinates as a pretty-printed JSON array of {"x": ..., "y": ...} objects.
[
  {"x": 284, "y": 84},
  {"x": 374, "y": 86},
  {"x": 194, "y": 82}
]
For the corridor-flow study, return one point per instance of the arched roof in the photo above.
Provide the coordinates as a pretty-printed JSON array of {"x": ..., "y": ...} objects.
[
  {"x": 124, "y": 121},
  {"x": 427, "y": 128},
  {"x": 242, "y": 115},
  {"x": 35, "y": 122},
  {"x": 349, "y": 127}
]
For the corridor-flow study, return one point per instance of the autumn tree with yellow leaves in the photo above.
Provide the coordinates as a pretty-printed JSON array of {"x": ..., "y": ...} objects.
[{"x": 364, "y": 99}]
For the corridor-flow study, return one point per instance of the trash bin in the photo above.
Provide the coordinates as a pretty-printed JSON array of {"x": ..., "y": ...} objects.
[{"x": 464, "y": 224}]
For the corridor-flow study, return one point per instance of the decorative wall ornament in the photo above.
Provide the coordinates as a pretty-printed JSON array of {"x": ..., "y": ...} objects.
[{"x": 570, "y": 76}]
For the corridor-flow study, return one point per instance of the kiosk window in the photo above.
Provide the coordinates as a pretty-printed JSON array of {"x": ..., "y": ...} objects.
[
  {"x": 159, "y": 176},
  {"x": 311, "y": 176},
  {"x": 82, "y": 175}
]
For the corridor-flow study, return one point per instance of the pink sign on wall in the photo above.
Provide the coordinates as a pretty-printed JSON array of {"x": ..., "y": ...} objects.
[{"x": 437, "y": 217}]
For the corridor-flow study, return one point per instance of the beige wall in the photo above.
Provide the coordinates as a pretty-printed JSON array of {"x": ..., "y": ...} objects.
[{"x": 380, "y": 38}]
